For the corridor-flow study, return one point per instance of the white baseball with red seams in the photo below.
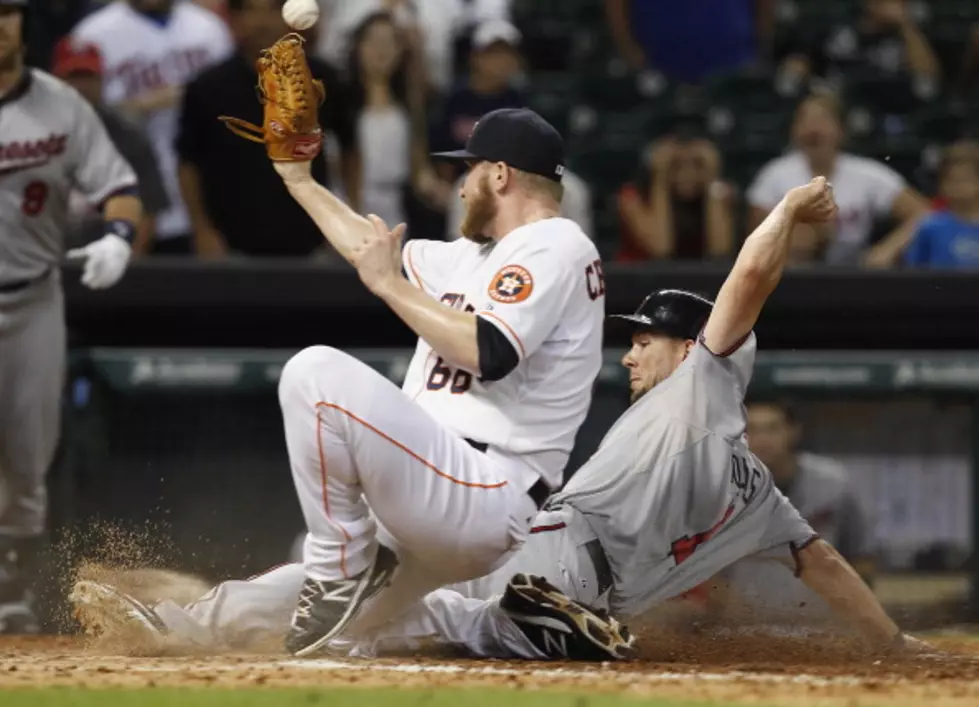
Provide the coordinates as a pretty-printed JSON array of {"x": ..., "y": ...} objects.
[{"x": 300, "y": 14}]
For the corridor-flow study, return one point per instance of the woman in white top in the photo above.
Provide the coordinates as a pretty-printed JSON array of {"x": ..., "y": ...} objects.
[
  {"x": 388, "y": 105},
  {"x": 865, "y": 190}
]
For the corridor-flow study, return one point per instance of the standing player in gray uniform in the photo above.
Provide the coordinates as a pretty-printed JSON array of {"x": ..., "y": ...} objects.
[{"x": 50, "y": 142}]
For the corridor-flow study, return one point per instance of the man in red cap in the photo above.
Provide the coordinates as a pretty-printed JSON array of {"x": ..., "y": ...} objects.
[{"x": 81, "y": 66}]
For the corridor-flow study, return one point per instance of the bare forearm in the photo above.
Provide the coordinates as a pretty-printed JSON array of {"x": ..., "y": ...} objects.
[
  {"x": 340, "y": 225},
  {"x": 617, "y": 16},
  {"x": 766, "y": 249},
  {"x": 124, "y": 207},
  {"x": 826, "y": 572},
  {"x": 145, "y": 233},
  {"x": 450, "y": 332},
  {"x": 887, "y": 252},
  {"x": 921, "y": 59}
]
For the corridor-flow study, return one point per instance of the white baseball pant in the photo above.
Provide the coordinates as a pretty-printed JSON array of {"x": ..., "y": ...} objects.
[
  {"x": 365, "y": 457},
  {"x": 256, "y": 612}
]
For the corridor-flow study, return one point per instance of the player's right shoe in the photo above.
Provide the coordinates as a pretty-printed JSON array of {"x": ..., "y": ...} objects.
[
  {"x": 104, "y": 610},
  {"x": 326, "y": 608},
  {"x": 561, "y": 628}
]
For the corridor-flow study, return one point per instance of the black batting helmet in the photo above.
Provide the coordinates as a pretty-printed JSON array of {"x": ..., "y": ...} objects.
[{"x": 675, "y": 313}]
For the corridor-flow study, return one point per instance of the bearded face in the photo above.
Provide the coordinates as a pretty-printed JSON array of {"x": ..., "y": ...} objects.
[{"x": 480, "y": 205}]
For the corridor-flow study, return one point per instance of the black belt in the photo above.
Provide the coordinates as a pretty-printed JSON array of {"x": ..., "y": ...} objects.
[
  {"x": 19, "y": 285},
  {"x": 538, "y": 493},
  {"x": 603, "y": 571}
]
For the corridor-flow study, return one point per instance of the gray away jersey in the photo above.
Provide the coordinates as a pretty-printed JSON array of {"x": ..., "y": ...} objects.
[
  {"x": 673, "y": 493},
  {"x": 51, "y": 140}
]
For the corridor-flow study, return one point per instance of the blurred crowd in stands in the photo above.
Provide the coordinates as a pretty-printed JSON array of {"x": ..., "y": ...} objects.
[{"x": 685, "y": 122}]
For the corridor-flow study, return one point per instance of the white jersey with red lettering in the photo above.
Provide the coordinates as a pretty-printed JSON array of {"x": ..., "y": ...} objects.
[
  {"x": 543, "y": 287},
  {"x": 142, "y": 56}
]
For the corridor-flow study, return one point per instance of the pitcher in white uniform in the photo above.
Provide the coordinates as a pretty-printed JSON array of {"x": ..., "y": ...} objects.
[{"x": 404, "y": 491}]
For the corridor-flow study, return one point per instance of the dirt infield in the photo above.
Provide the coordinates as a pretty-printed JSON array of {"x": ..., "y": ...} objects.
[{"x": 785, "y": 672}]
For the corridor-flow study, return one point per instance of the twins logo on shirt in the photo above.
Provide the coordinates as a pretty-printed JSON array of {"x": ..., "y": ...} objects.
[
  {"x": 18, "y": 155},
  {"x": 511, "y": 284}
]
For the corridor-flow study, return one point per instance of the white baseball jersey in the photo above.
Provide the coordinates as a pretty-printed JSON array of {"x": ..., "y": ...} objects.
[
  {"x": 673, "y": 493},
  {"x": 864, "y": 189},
  {"x": 543, "y": 287},
  {"x": 141, "y": 56},
  {"x": 51, "y": 141}
]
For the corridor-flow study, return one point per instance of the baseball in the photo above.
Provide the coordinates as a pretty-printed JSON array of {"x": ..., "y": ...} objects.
[{"x": 300, "y": 14}]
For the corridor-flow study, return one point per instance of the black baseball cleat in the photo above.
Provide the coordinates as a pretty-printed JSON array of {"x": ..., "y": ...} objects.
[
  {"x": 325, "y": 609},
  {"x": 561, "y": 628}
]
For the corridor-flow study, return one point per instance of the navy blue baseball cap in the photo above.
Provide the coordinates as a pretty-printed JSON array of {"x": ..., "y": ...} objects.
[{"x": 518, "y": 137}]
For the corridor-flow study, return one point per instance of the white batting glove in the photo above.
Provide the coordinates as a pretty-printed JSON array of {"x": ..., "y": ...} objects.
[{"x": 105, "y": 261}]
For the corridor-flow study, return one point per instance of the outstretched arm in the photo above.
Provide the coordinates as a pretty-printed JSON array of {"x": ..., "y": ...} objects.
[
  {"x": 760, "y": 263},
  {"x": 343, "y": 228},
  {"x": 825, "y": 571}
]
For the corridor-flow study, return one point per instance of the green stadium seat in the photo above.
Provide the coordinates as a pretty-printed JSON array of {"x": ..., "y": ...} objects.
[
  {"x": 755, "y": 129},
  {"x": 793, "y": 16},
  {"x": 904, "y": 156},
  {"x": 940, "y": 124},
  {"x": 937, "y": 12},
  {"x": 753, "y": 91},
  {"x": 622, "y": 90},
  {"x": 551, "y": 95},
  {"x": 888, "y": 95}
]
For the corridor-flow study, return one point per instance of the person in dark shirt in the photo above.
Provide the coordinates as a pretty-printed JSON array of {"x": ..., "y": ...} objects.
[
  {"x": 493, "y": 65},
  {"x": 884, "y": 39},
  {"x": 678, "y": 208},
  {"x": 81, "y": 66},
  {"x": 237, "y": 203}
]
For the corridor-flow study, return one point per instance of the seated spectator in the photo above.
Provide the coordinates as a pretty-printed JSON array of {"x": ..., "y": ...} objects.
[
  {"x": 678, "y": 208},
  {"x": 816, "y": 485},
  {"x": 575, "y": 206},
  {"x": 950, "y": 238},
  {"x": 237, "y": 203},
  {"x": 390, "y": 134},
  {"x": 493, "y": 65},
  {"x": 865, "y": 190},
  {"x": 150, "y": 50},
  {"x": 821, "y": 490},
  {"x": 885, "y": 38},
  {"x": 691, "y": 40},
  {"x": 429, "y": 30},
  {"x": 81, "y": 66}
]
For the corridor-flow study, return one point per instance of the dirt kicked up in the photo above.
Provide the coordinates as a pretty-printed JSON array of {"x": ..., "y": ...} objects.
[{"x": 733, "y": 671}]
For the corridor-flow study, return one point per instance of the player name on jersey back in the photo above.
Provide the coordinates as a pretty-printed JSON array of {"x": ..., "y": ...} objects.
[{"x": 543, "y": 287}]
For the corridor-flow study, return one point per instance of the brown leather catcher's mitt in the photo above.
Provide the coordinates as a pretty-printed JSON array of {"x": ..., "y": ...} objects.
[{"x": 292, "y": 98}]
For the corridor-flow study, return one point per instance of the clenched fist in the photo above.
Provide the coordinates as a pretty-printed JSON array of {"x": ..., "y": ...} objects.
[{"x": 812, "y": 203}]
